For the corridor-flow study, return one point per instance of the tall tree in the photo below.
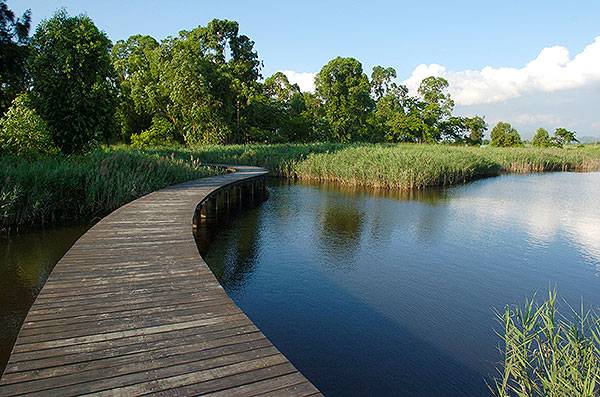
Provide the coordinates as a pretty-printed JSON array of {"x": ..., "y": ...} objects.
[
  {"x": 289, "y": 108},
  {"x": 382, "y": 81},
  {"x": 436, "y": 106},
  {"x": 74, "y": 82},
  {"x": 135, "y": 61},
  {"x": 345, "y": 91},
  {"x": 14, "y": 50},
  {"x": 564, "y": 136}
]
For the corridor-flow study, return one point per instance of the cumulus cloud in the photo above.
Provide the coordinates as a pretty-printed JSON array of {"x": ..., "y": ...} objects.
[
  {"x": 305, "y": 80},
  {"x": 552, "y": 70}
]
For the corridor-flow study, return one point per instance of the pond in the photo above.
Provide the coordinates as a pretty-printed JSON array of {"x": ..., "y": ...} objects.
[{"x": 380, "y": 293}]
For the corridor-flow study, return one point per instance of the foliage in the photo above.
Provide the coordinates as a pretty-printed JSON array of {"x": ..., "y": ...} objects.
[
  {"x": 81, "y": 187},
  {"x": 345, "y": 92},
  {"x": 204, "y": 82},
  {"x": 135, "y": 62},
  {"x": 161, "y": 132},
  {"x": 23, "y": 132},
  {"x": 547, "y": 353},
  {"x": 14, "y": 50},
  {"x": 564, "y": 137},
  {"x": 541, "y": 138},
  {"x": 74, "y": 85},
  {"x": 504, "y": 135}
]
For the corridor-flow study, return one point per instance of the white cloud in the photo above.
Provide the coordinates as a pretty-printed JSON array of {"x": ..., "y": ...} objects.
[
  {"x": 305, "y": 80},
  {"x": 552, "y": 70},
  {"x": 536, "y": 119}
]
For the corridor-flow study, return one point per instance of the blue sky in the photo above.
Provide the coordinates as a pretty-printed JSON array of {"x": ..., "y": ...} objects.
[{"x": 445, "y": 38}]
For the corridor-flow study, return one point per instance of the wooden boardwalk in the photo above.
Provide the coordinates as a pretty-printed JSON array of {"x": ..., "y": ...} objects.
[{"x": 132, "y": 309}]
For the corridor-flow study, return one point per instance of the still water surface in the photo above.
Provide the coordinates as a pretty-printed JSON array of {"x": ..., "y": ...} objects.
[{"x": 382, "y": 293}]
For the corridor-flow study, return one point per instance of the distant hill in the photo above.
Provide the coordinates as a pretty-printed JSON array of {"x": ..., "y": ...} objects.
[{"x": 589, "y": 139}]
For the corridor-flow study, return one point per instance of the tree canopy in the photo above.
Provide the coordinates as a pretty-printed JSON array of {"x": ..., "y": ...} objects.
[
  {"x": 74, "y": 82},
  {"x": 205, "y": 86},
  {"x": 14, "y": 50}
]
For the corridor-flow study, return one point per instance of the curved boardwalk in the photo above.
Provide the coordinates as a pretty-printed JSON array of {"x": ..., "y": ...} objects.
[{"x": 133, "y": 309}]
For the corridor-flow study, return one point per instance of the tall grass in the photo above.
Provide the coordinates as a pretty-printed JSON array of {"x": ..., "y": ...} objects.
[
  {"x": 79, "y": 188},
  {"x": 66, "y": 189},
  {"x": 547, "y": 353},
  {"x": 398, "y": 166}
]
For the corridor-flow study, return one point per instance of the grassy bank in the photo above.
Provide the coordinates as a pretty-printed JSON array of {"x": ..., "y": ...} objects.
[
  {"x": 401, "y": 166},
  {"x": 79, "y": 188}
]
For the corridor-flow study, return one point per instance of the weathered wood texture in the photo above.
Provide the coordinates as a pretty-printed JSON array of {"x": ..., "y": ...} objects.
[{"x": 133, "y": 309}]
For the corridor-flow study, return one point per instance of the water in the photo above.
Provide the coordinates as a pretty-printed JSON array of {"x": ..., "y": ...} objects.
[
  {"x": 381, "y": 293},
  {"x": 26, "y": 260}
]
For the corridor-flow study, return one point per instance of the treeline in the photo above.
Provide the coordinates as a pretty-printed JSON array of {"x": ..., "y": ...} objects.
[{"x": 68, "y": 87}]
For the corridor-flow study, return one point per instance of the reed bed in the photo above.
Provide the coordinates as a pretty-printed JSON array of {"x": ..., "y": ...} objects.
[
  {"x": 79, "y": 188},
  {"x": 51, "y": 190},
  {"x": 395, "y": 166}
]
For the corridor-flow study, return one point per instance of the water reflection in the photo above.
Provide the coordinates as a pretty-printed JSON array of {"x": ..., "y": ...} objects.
[
  {"x": 361, "y": 287},
  {"x": 234, "y": 263}
]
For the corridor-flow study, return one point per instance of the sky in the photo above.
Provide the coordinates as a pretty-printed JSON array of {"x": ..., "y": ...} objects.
[{"x": 530, "y": 63}]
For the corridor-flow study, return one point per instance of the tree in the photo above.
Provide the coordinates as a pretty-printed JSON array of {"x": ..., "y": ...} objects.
[
  {"x": 504, "y": 135},
  {"x": 14, "y": 50},
  {"x": 381, "y": 81},
  {"x": 135, "y": 62},
  {"x": 477, "y": 127},
  {"x": 345, "y": 91},
  {"x": 564, "y": 137},
  {"x": 22, "y": 130},
  {"x": 541, "y": 138},
  {"x": 74, "y": 83},
  {"x": 288, "y": 106},
  {"x": 209, "y": 78},
  {"x": 436, "y": 106}
]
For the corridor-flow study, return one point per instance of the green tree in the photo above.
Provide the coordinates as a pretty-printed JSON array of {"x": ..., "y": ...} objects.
[
  {"x": 22, "y": 130},
  {"x": 564, "y": 136},
  {"x": 477, "y": 127},
  {"x": 208, "y": 78},
  {"x": 345, "y": 92},
  {"x": 14, "y": 50},
  {"x": 436, "y": 106},
  {"x": 381, "y": 81},
  {"x": 541, "y": 138},
  {"x": 74, "y": 83},
  {"x": 289, "y": 110},
  {"x": 504, "y": 135},
  {"x": 135, "y": 61}
]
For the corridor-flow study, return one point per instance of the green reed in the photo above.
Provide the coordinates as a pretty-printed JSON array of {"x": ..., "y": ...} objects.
[
  {"x": 397, "y": 166},
  {"x": 79, "y": 188},
  {"x": 547, "y": 353}
]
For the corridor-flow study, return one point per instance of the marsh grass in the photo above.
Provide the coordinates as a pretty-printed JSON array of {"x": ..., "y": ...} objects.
[
  {"x": 396, "y": 166},
  {"x": 78, "y": 188},
  {"x": 547, "y": 353}
]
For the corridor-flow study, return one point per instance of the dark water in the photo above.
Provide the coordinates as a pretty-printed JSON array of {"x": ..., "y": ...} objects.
[
  {"x": 26, "y": 260},
  {"x": 378, "y": 293}
]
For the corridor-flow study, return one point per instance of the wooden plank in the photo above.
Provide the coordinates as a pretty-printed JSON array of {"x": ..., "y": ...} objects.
[{"x": 132, "y": 308}]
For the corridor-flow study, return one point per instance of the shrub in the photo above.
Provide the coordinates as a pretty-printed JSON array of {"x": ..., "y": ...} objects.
[
  {"x": 160, "y": 133},
  {"x": 22, "y": 130}
]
